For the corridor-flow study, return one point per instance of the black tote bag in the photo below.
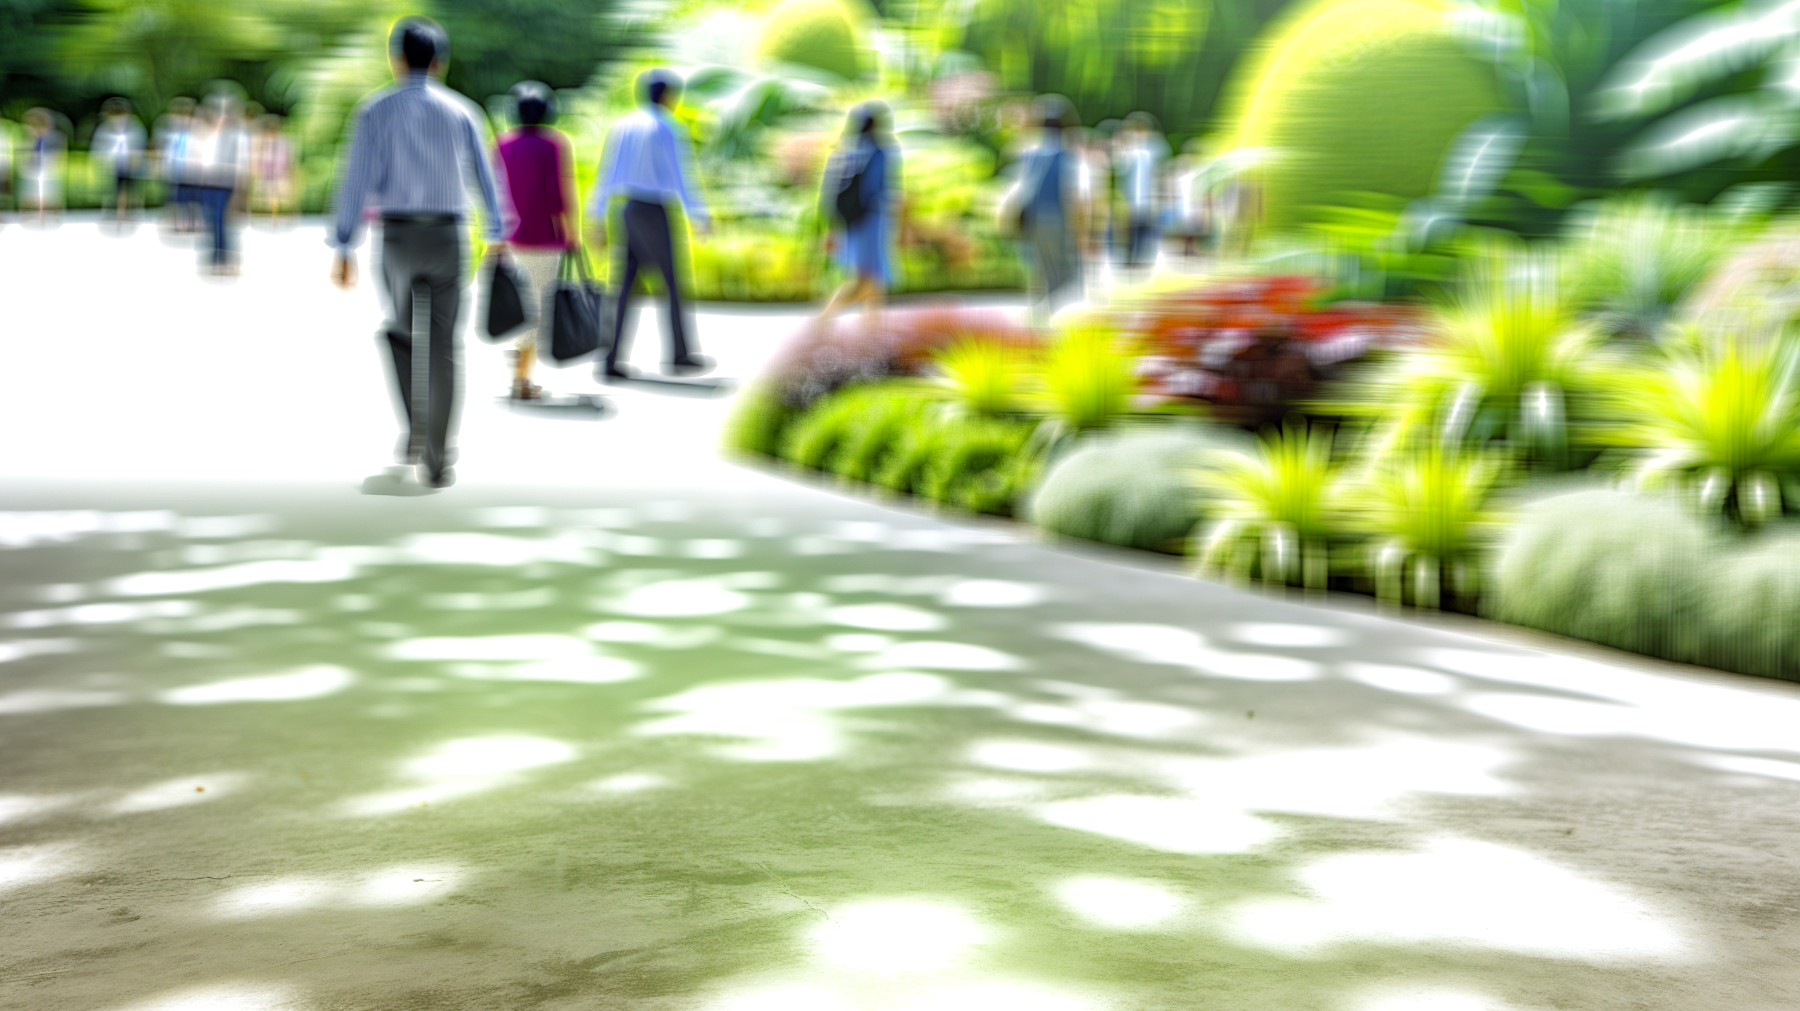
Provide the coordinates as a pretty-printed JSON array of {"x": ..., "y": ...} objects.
[
  {"x": 576, "y": 309},
  {"x": 505, "y": 303}
]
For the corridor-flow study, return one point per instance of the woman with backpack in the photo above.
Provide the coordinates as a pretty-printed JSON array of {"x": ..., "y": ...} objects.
[{"x": 862, "y": 190}]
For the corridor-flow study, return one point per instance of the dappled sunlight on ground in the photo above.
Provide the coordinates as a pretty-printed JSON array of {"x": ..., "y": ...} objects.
[{"x": 814, "y": 755}]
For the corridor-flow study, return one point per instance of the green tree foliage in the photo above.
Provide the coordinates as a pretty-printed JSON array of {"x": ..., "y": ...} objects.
[
  {"x": 1356, "y": 96},
  {"x": 495, "y": 44},
  {"x": 1111, "y": 57}
]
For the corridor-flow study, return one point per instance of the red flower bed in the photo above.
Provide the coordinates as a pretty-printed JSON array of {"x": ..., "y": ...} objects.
[{"x": 1253, "y": 346}]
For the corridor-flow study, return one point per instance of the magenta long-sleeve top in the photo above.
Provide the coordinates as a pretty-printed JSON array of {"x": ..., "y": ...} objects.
[{"x": 532, "y": 163}]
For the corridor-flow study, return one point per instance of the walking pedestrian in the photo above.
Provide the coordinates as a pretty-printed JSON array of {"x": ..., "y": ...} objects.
[
  {"x": 413, "y": 148},
  {"x": 272, "y": 165},
  {"x": 647, "y": 164},
  {"x": 862, "y": 193},
  {"x": 174, "y": 136},
  {"x": 1140, "y": 153},
  {"x": 536, "y": 162},
  {"x": 40, "y": 174},
  {"x": 220, "y": 149},
  {"x": 1051, "y": 212},
  {"x": 118, "y": 143}
]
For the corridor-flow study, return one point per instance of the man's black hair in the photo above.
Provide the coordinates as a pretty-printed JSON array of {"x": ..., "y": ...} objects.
[
  {"x": 420, "y": 42},
  {"x": 659, "y": 83},
  {"x": 533, "y": 103}
]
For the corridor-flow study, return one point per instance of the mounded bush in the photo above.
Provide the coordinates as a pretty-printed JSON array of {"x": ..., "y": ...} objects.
[
  {"x": 1133, "y": 488},
  {"x": 852, "y": 431},
  {"x": 813, "y": 33},
  {"x": 1357, "y": 96},
  {"x": 1610, "y": 567},
  {"x": 1750, "y": 608}
]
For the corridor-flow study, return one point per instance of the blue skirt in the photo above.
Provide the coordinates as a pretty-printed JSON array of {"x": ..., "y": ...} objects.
[{"x": 864, "y": 251}]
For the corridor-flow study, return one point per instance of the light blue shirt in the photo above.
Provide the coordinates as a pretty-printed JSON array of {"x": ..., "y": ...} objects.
[
  {"x": 647, "y": 158},
  {"x": 414, "y": 149}
]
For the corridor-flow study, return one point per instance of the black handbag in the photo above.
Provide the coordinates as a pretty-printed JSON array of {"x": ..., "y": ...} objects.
[
  {"x": 505, "y": 304},
  {"x": 576, "y": 308}
]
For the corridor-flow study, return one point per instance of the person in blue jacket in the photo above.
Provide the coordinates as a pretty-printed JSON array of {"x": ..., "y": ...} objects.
[{"x": 862, "y": 193}]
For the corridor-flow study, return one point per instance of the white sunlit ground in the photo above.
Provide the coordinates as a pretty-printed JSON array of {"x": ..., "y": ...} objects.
[{"x": 615, "y": 724}]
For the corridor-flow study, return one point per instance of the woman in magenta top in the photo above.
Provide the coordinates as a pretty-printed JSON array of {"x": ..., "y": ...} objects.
[{"x": 536, "y": 163}]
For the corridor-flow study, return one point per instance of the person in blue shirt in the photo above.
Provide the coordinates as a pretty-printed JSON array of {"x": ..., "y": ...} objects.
[
  {"x": 646, "y": 163},
  {"x": 1052, "y": 211},
  {"x": 414, "y": 149},
  {"x": 868, "y": 161}
]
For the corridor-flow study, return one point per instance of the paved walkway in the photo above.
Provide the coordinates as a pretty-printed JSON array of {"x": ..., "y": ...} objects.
[{"x": 615, "y": 725}]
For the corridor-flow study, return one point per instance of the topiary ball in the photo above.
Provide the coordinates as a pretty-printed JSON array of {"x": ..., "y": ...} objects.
[
  {"x": 1356, "y": 96},
  {"x": 813, "y": 33},
  {"x": 1134, "y": 488},
  {"x": 1610, "y": 567}
]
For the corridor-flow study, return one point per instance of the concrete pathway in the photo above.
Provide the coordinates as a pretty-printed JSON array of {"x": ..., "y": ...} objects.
[{"x": 613, "y": 724}]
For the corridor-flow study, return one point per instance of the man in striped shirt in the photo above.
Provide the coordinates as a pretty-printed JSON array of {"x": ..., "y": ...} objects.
[{"x": 415, "y": 149}]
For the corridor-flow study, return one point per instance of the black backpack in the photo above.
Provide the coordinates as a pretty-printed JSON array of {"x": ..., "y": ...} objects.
[{"x": 850, "y": 204}]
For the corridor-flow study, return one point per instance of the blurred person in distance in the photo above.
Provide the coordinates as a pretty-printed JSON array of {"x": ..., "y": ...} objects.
[
  {"x": 219, "y": 168},
  {"x": 413, "y": 147},
  {"x": 272, "y": 165},
  {"x": 8, "y": 139},
  {"x": 1052, "y": 215},
  {"x": 119, "y": 143},
  {"x": 173, "y": 137},
  {"x": 41, "y": 165},
  {"x": 647, "y": 163},
  {"x": 1140, "y": 154},
  {"x": 537, "y": 164},
  {"x": 868, "y": 160}
]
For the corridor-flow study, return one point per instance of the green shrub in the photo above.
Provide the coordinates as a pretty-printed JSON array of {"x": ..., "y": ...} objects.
[
  {"x": 905, "y": 467},
  {"x": 1276, "y": 508},
  {"x": 887, "y": 415},
  {"x": 983, "y": 465},
  {"x": 1132, "y": 488},
  {"x": 1356, "y": 96},
  {"x": 1610, "y": 567},
  {"x": 1087, "y": 379},
  {"x": 1750, "y": 608},
  {"x": 758, "y": 421},
  {"x": 813, "y": 33},
  {"x": 1634, "y": 257}
]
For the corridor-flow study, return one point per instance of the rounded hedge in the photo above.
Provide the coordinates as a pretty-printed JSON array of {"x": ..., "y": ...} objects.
[
  {"x": 813, "y": 33},
  {"x": 1357, "y": 96},
  {"x": 1134, "y": 488},
  {"x": 1610, "y": 567}
]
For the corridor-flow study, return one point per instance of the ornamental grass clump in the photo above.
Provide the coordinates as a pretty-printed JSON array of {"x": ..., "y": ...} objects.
[
  {"x": 1632, "y": 258},
  {"x": 1718, "y": 416},
  {"x": 1275, "y": 508},
  {"x": 1424, "y": 509},
  {"x": 1087, "y": 379},
  {"x": 982, "y": 372},
  {"x": 1510, "y": 353}
]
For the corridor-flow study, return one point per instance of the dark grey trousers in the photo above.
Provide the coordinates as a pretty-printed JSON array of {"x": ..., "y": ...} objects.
[
  {"x": 424, "y": 261},
  {"x": 647, "y": 240}
]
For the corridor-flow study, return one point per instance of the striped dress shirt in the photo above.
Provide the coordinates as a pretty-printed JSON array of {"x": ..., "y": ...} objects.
[
  {"x": 414, "y": 148},
  {"x": 646, "y": 160}
]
